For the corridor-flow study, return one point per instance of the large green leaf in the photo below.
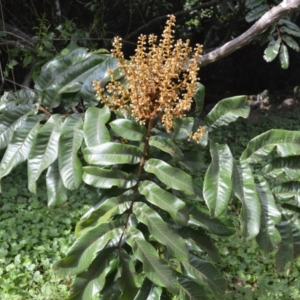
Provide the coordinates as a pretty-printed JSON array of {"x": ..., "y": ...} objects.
[
  {"x": 284, "y": 142},
  {"x": 161, "y": 231},
  {"x": 104, "y": 213},
  {"x": 205, "y": 272},
  {"x": 194, "y": 162},
  {"x": 287, "y": 190},
  {"x": 217, "y": 186},
  {"x": 56, "y": 191},
  {"x": 284, "y": 57},
  {"x": 20, "y": 145},
  {"x": 106, "y": 179},
  {"x": 165, "y": 200},
  {"x": 128, "y": 129},
  {"x": 126, "y": 277},
  {"x": 190, "y": 290},
  {"x": 102, "y": 74},
  {"x": 183, "y": 127},
  {"x": 112, "y": 153},
  {"x": 70, "y": 141},
  {"x": 66, "y": 74},
  {"x": 291, "y": 42},
  {"x": 11, "y": 120},
  {"x": 218, "y": 226},
  {"x": 148, "y": 291},
  {"x": 167, "y": 145},
  {"x": 197, "y": 240},
  {"x": 172, "y": 177},
  {"x": 285, "y": 253},
  {"x": 44, "y": 150},
  {"x": 272, "y": 50},
  {"x": 91, "y": 282},
  {"x": 290, "y": 31},
  {"x": 11, "y": 99},
  {"x": 257, "y": 12},
  {"x": 245, "y": 190},
  {"x": 227, "y": 111},
  {"x": 95, "y": 131},
  {"x": 154, "y": 267},
  {"x": 288, "y": 165},
  {"x": 268, "y": 236},
  {"x": 86, "y": 247},
  {"x": 199, "y": 97}
]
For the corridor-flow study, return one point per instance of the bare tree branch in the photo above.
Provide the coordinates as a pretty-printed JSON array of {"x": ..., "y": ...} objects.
[
  {"x": 179, "y": 13},
  {"x": 269, "y": 18}
]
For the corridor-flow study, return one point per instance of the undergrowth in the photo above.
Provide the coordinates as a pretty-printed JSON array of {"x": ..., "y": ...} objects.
[{"x": 32, "y": 237}]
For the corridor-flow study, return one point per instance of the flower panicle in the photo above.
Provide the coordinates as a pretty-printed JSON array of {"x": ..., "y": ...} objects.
[{"x": 158, "y": 81}]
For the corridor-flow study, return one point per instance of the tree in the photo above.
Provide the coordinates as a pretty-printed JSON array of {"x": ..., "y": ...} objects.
[{"x": 145, "y": 235}]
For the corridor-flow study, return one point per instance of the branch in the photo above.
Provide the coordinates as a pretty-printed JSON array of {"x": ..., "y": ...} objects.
[
  {"x": 269, "y": 18},
  {"x": 179, "y": 13}
]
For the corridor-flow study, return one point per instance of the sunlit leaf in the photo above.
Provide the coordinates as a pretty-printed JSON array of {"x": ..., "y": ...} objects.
[
  {"x": 44, "y": 150},
  {"x": 284, "y": 142},
  {"x": 288, "y": 165},
  {"x": 85, "y": 249},
  {"x": 172, "y": 177},
  {"x": 205, "y": 272},
  {"x": 227, "y": 111},
  {"x": 268, "y": 236},
  {"x": 66, "y": 74},
  {"x": 183, "y": 127},
  {"x": 104, "y": 212},
  {"x": 272, "y": 50},
  {"x": 94, "y": 128},
  {"x": 154, "y": 267},
  {"x": 70, "y": 166},
  {"x": 217, "y": 186},
  {"x": 112, "y": 153},
  {"x": 56, "y": 191},
  {"x": 167, "y": 145},
  {"x": 106, "y": 179},
  {"x": 287, "y": 190},
  {"x": 165, "y": 200},
  {"x": 128, "y": 130},
  {"x": 102, "y": 74},
  {"x": 161, "y": 231},
  {"x": 20, "y": 145},
  {"x": 245, "y": 190},
  {"x": 291, "y": 42},
  {"x": 285, "y": 29},
  {"x": 11, "y": 120}
]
